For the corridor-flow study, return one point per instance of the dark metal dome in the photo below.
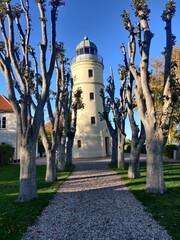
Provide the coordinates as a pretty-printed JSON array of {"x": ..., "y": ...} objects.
[{"x": 86, "y": 47}]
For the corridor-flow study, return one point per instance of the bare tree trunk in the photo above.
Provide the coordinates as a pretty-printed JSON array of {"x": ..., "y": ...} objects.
[
  {"x": 105, "y": 116},
  {"x": 120, "y": 163},
  {"x": 121, "y": 141},
  {"x": 61, "y": 161},
  {"x": 69, "y": 150},
  {"x": 155, "y": 178},
  {"x": 136, "y": 145},
  {"x": 114, "y": 150},
  {"x": 51, "y": 175},
  {"x": 27, "y": 188},
  {"x": 50, "y": 155},
  {"x": 134, "y": 169}
]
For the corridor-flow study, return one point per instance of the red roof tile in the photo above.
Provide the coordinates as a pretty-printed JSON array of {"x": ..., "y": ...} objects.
[{"x": 5, "y": 105}]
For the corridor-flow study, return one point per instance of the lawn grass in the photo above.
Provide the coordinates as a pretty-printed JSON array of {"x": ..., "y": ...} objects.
[
  {"x": 164, "y": 208},
  {"x": 15, "y": 216}
]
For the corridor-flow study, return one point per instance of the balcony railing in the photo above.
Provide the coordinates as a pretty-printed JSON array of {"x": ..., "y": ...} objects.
[{"x": 82, "y": 57}]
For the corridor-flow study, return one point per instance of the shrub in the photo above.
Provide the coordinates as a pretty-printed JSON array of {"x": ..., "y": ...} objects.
[
  {"x": 6, "y": 154},
  {"x": 127, "y": 148},
  {"x": 40, "y": 146},
  {"x": 169, "y": 149}
]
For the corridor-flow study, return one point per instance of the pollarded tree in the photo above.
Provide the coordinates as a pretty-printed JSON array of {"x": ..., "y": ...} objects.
[
  {"x": 25, "y": 78},
  {"x": 122, "y": 114},
  {"x": 74, "y": 103},
  {"x": 156, "y": 85},
  {"x": 56, "y": 116},
  {"x": 69, "y": 102},
  {"x": 156, "y": 123},
  {"x": 174, "y": 134},
  {"x": 118, "y": 108},
  {"x": 138, "y": 134},
  {"x": 105, "y": 115}
]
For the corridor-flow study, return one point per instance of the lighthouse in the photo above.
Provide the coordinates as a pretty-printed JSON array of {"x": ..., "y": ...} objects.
[{"x": 92, "y": 136}]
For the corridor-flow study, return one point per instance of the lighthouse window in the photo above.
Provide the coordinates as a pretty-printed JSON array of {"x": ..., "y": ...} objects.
[
  {"x": 93, "y": 120},
  {"x": 86, "y": 50},
  {"x": 91, "y": 95},
  {"x": 92, "y": 51},
  {"x": 81, "y": 51},
  {"x": 90, "y": 73},
  {"x": 79, "y": 143}
]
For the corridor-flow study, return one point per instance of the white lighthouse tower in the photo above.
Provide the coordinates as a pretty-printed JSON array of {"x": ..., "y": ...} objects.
[{"x": 92, "y": 136}]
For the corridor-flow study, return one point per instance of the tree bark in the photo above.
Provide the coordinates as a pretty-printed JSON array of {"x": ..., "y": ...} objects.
[
  {"x": 61, "y": 161},
  {"x": 27, "y": 187},
  {"x": 114, "y": 149},
  {"x": 134, "y": 169},
  {"x": 51, "y": 175},
  {"x": 136, "y": 145},
  {"x": 121, "y": 141},
  {"x": 155, "y": 178},
  {"x": 50, "y": 150},
  {"x": 69, "y": 151}
]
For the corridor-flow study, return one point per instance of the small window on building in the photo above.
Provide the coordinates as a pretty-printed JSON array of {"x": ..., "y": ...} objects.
[
  {"x": 90, "y": 73},
  {"x": 91, "y": 95},
  {"x": 79, "y": 143},
  {"x": 2, "y": 122},
  {"x": 93, "y": 121}
]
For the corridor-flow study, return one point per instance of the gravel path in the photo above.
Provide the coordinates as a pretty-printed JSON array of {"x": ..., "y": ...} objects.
[{"x": 94, "y": 204}]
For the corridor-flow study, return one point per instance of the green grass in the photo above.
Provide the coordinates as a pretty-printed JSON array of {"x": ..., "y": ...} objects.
[
  {"x": 15, "y": 216},
  {"x": 164, "y": 208}
]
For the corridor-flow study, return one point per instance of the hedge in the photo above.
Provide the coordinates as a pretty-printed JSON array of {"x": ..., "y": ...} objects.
[
  {"x": 127, "y": 148},
  {"x": 169, "y": 149},
  {"x": 6, "y": 154}
]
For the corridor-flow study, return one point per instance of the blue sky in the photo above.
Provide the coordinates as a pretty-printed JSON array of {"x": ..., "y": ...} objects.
[{"x": 100, "y": 20}]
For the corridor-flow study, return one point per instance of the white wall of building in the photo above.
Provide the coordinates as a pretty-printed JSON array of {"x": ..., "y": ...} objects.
[
  {"x": 92, "y": 136},
  {"x": 8, "y": 135}
]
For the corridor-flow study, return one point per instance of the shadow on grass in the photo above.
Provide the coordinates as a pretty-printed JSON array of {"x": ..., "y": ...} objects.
[
  {"x": 164, "y": 208},
  {"x": 15, "y": 216}
]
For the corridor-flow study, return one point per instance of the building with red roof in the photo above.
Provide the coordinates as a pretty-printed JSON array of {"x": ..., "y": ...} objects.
[
  {"x": 5, "y": 105},
  {"x": 8, "y": 125}
]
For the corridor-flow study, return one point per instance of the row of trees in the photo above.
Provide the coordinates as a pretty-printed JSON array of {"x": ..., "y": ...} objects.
[
  {"x": 155, "y": 97},
  {"x": 29, "y": 78}
]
